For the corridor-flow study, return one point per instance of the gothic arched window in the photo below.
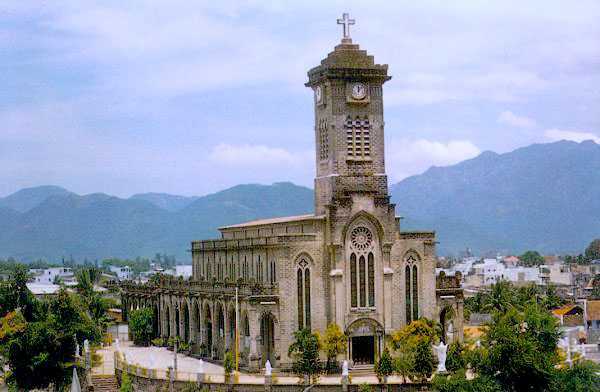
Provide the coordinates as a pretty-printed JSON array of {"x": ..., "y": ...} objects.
[
  {"x": 362, "y": 268},
  {"x": 272, "y": 273},
  {"x": 353, "y": 296},
  {"x": 303, "y": 288},
  {"x": 411, "y": 287}
]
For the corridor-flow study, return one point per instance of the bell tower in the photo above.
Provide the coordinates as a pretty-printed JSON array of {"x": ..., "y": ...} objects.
[{"x": 349, "y": 125}]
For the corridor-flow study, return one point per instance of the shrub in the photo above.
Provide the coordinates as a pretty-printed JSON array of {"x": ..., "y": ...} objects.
[
  {"x": 126, "y": 385},
  {"x": 140, "y": 325},
  {"x": 384, "y": 366}
]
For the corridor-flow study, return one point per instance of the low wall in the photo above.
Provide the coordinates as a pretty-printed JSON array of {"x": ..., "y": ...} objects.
[{"x": 141, "y": 383}]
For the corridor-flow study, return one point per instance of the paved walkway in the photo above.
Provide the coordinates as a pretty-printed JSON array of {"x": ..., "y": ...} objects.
[{"x": 160, "y": 358}]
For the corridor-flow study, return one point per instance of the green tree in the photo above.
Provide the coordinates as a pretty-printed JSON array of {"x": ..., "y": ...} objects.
[
  {"x": 141, "y": 327},
  {"x": 519, "y": 349},
  {"x": 592, "y": 252},
  {"x": 228, "y": 365},
  {"x": 384, "y": 367},
  {"x": 458, "y": 382},
  {"x": 582, "y": 377},
  {"x": 305, "y": 352},
  {"x": 413, "y": 345},
  {"x": 455, "y": 359},
  {"x": 552, "y": 300},
  {"x": 500, "y": 297},
  {"x": 531, "y": 258},
  {"x": 333, "y": 343}
]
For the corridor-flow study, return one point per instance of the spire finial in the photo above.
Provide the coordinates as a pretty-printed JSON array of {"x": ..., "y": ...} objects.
[{"x": 346, "y": 22}]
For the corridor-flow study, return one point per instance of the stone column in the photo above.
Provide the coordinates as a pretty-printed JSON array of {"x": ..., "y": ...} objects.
[
  {"x": 226, "y": 339},
  {"x": 254, "y": 355},
  {"x": 215, "y": 331},
  {"x": 172, "y": 320},
  {"x": 181, "y": 321}
]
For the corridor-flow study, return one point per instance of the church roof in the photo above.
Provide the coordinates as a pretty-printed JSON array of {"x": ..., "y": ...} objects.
[{"x": 269, "y": 221}]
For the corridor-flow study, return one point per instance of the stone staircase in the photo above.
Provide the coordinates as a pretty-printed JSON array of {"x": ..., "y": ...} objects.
[
  {"x": 105, "y": 383},
  {"x": 362, "y": 370}
]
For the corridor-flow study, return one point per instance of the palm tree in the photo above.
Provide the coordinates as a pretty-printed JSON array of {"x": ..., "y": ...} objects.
[{"x": 500, "y": 298}]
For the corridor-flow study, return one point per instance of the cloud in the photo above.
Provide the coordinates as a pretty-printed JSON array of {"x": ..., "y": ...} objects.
[
  {"x": 407, "y": 157},
  {"x": 509, "y": 118},
  {"x": 257, "y": 155},
  {"x": 576, "y": 136}
]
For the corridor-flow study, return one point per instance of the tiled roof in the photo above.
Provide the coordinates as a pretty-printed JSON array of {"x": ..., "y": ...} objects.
[{"x": 566, "y": 309}]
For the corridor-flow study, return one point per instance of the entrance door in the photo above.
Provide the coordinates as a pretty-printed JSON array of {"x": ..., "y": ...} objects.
[
  {"x": 267, "y": 334},
  {"x": 363, "y": 350}
]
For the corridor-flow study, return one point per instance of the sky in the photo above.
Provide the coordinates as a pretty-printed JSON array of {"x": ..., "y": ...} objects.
[{"x": 191, "y": 97}]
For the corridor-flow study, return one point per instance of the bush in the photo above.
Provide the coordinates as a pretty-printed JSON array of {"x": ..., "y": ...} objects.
[
  {"x": 459, "y": 383},
  {"x": 228, "y": 364},
  {"x": 384, "y": 366},
  {"x": 455, "y": 359},
  {"x": 305, "y": 351},
  {"x": 582, "y": 377},
  {"x": 140, "y": 325},
  {"x": 126, "y": 385}
]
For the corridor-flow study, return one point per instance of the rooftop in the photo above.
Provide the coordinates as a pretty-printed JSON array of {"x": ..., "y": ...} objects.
[{"x": 270, "y": 221}]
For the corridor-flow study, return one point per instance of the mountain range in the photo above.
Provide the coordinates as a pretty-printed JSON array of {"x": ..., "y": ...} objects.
[{"x": 544, "y": 197}]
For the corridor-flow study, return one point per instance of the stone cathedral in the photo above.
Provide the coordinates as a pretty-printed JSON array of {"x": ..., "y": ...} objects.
[{"x": 347, "y": 263}]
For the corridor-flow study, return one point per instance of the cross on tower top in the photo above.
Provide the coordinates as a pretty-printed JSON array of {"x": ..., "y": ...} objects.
[{"x": 346, "y": 22}]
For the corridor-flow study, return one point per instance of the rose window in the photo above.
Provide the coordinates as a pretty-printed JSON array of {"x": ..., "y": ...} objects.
[{"x": 361, "y": 238}]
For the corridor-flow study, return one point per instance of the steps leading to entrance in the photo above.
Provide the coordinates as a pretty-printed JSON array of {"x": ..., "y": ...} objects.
[
  {"x": 362, "y": 370},
  {"x": 105, "y": 383}
]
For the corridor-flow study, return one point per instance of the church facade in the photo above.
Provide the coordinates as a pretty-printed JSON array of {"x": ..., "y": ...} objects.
[{"x": 348, "y": 263}]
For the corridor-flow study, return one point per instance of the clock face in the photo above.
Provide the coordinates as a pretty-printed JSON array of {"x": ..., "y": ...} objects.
[
  {"x": 318, "y": 93},
  {"x": 359, "y": 91}
]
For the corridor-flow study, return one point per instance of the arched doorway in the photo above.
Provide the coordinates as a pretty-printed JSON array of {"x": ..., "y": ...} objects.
[
  {"x": 447, "y": 324},
  {"x": 167, "y": 322},
  {"x": 199, "y": 328},
  {"x": 186, "y": 323},
  {"x": 267, "y": 338},
  {"x": 155, "y": 321},
  {"x": 231, "y": 324},
  {"x": 220, "y": 332},
  {"x": 176, "y": 310},
  {"x": 365, "y": 339},
  {"x": 208, "y": 336}
]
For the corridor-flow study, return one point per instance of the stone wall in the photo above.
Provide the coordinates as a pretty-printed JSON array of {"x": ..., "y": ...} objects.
[{"x": 153, "y": 385}]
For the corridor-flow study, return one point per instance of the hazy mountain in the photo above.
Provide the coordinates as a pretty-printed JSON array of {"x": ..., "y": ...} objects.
[
  {"x": 98, "y": 225},
  {"x": 166, "y": 201},
  {"x": 28, "y": 198},
  {"x": 544, "y": 197}
]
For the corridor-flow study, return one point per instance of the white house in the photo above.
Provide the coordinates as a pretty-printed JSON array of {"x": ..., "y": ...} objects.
[
  {"x": 123, "y": 273},
  {"x": 53, "y": 275}
]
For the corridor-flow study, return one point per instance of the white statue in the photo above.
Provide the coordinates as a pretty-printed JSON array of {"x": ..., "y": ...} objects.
[
  {"x": 440, "y": 350},
  {"x": 268, "y": 368},
  {"x": 345, "y": 368},
  {"x": 86, "y": 346},
  {"x": 201, "y": 367},
  {"x": 582, "y": 350},
  {"x": 77, "y": 355}
]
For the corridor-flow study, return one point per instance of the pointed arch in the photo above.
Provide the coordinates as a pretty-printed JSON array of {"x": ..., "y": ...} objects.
[
  {"x": 412, "y": 262},
  {"x": 303, "y": 290}
]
